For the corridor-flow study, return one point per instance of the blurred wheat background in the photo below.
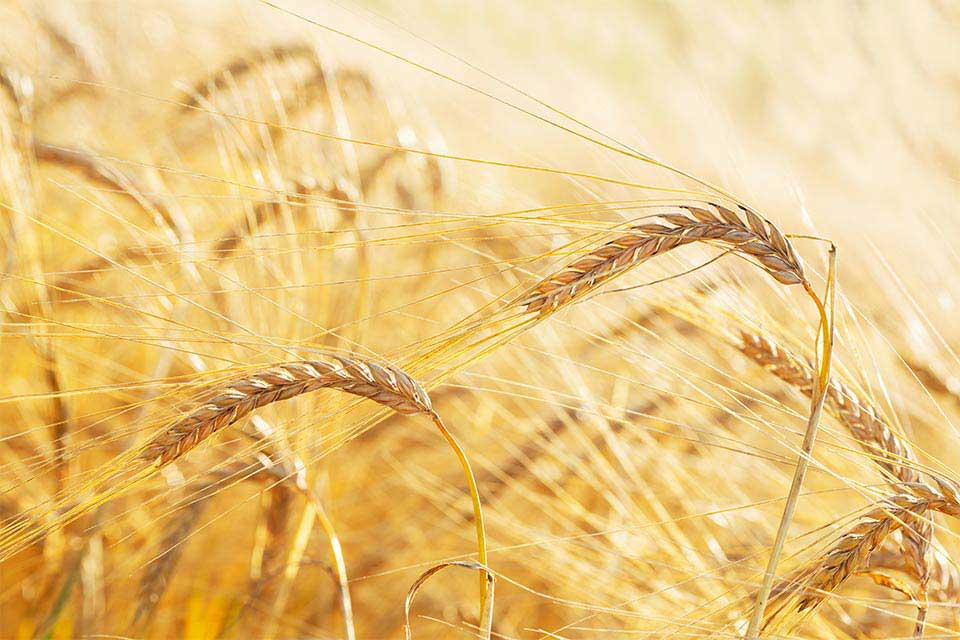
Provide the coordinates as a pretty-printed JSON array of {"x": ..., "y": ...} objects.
[{"x": 194, "y": 195}]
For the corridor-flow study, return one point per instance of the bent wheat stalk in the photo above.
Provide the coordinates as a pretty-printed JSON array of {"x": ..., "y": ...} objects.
[
  {"x": 385, "y": 385},
  {"x": 752, "y": 237}
]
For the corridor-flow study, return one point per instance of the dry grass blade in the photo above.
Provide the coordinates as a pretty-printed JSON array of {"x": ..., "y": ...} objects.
[
  {"x": 756, "y": 238},
  {"x": 888, "y": 582}
]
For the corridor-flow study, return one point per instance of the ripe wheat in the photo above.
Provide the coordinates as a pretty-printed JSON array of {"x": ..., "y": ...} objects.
[
  {"x": 757, "y": 238},
  {"x": 385, "y": 385}
]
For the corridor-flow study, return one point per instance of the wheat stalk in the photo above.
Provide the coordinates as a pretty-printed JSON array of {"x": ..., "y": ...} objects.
[{"x": 197, "y": 495}]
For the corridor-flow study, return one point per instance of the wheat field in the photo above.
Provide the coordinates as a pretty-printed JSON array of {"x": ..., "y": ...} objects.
[{"x": 481, "y": 319}]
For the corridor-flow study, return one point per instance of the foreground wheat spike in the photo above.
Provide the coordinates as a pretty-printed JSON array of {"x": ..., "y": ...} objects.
[
  {"x": 752, "y": 237},
  {"x": 886, "y": 447},
  {"x": 757, "y": 238},
  {"x": 385, "y": 385},
  {"x": 852, "y": 551}
]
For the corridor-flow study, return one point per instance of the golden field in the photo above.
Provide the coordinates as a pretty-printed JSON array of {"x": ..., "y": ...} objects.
[{"x": 314, "y": 312}]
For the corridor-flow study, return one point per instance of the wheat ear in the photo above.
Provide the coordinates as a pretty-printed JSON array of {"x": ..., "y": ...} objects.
[
  {"x": 887, "y": 448},
  {"x": 96, "y": 171},
  {"x": 385, "y": 385},
  {"x": 853, "y": 549},
  {"x": 242, "y": 66},
  {"x": 755, "y": 237},
  {"x": 864, "y": 422}
]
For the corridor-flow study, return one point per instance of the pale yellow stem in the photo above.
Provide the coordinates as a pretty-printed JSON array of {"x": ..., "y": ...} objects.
[{"x": 816, "y": 408}]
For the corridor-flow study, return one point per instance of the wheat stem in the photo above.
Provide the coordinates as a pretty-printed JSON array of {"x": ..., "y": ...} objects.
[
  {"x": 477, "y": 507},
  {"x": 809, "y": 438}
]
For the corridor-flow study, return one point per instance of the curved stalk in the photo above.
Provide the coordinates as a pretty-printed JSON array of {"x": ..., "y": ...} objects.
[
  {"x": 477, "y": 507},
  {"x": 810, "y": 435}
]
